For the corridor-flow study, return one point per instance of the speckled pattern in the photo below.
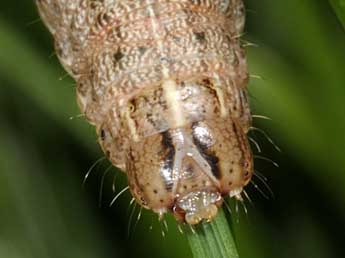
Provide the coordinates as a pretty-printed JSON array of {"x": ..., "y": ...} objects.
[{"x": 164, "y": 82}]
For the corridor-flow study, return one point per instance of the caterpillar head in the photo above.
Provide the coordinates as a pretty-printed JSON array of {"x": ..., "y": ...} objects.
[{"x": 189, "y": 170}]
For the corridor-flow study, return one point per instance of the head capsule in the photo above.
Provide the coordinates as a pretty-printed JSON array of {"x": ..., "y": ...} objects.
[{"x": 185, "y": 169}]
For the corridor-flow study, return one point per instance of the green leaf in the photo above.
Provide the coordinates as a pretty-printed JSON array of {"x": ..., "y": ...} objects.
[
  {"x": 212, "y": 240},
  {"x": 339, "y": 8}
]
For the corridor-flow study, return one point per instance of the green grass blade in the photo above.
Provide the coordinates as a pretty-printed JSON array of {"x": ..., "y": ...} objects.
[
  {"x": 213, "y": 240},
  {"x": 339, "y": 8},
  {"x": 35, "y": 78}
]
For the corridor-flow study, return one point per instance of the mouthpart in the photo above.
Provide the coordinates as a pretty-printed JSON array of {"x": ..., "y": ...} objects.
[{"x": 198, "y": 206}]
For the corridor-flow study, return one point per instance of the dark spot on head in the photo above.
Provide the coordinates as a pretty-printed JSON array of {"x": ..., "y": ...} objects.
[
  {"x": 118, "y": 56},
  {"x": 200, "y": 36},
  {"x": 161, "y": 200},
  {"x": 230, "y": 183},
  {"x": 155, "y": 191}
]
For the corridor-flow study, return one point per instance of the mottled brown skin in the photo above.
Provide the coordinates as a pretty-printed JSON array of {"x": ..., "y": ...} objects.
[{"x": 164, "y": 82}]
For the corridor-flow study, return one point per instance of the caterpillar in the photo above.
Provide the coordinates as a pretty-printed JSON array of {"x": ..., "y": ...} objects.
[{"x": 165, "y": 84}]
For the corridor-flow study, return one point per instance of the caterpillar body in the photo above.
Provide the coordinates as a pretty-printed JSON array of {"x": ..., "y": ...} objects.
[{"x": 164, "y": 83}]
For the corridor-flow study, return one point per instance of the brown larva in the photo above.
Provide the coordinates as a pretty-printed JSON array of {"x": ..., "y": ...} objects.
[{"x": 164, "y": 82}]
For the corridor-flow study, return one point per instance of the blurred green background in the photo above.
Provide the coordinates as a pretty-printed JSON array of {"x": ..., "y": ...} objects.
[{"x": 45, "y": 212}]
